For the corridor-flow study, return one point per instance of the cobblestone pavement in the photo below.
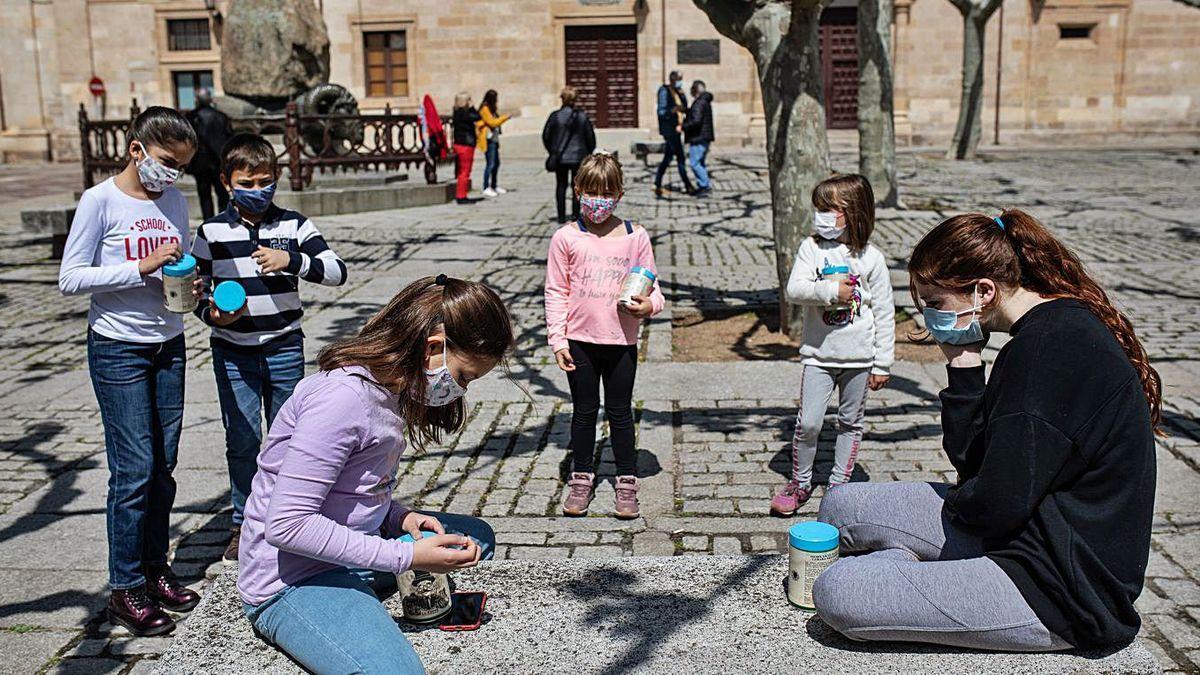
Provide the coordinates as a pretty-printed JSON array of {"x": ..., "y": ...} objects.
[{"x": 712, "y": 437}]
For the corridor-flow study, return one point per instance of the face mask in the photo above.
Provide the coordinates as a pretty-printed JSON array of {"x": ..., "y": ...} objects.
[
  {"x": 255, "y": 200},
  {"x": 597, "y": 209},
  {"x": 153, "y": 175},
  {"x": 826, "y": 225},
  {"x": 941, "y": 325},
  {"x": 679, "y": 85},
  {"x": 440, "y": 387}
]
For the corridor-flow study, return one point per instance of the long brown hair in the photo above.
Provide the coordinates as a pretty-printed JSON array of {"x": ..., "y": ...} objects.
[
  {"x": 851, "y": 195},
  {"x": 392, "y": 345},
  {"x": 963, "y": 249}
]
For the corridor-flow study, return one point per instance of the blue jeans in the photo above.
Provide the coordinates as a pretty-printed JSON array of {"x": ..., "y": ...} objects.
[
  {"x": 698, "y": 160},
  {"x": 334, "y": 622},
  {"x": 139, "y": 388},
  {"x": 491, "y": 165},
  {"x": 249, "y": 380},
  {"x": 672, "y": 150}
]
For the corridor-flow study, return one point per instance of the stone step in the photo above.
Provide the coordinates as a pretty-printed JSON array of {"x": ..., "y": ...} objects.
[{"x": 718, "y": 614}]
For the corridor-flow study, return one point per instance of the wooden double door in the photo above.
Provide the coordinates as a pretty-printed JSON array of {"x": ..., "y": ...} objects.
[
  {"x": 839, "y": 66},
  {"x": 602, "y": 67}
]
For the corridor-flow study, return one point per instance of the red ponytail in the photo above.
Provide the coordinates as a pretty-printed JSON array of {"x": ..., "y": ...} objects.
[{"x": 965, "y": 248}]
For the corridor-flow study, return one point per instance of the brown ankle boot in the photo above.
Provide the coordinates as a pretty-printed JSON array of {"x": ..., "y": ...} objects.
[
  {"x": 165, "y": 589},
  {"x": 134, "y": 609}
]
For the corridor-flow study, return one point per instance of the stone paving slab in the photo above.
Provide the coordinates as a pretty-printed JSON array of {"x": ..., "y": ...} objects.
[
  {"x": 722, "y": 614},
  {"x": 712, "y": 437}
]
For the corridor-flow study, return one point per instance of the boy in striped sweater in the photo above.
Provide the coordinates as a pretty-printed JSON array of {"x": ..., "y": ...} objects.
[{"x": 257, "y": 351}]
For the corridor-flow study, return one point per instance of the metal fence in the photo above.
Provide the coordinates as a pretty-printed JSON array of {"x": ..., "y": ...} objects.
[{"x": 312, "y": 143}]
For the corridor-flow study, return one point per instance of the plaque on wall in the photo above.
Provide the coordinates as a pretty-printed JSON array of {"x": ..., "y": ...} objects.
[
  {"x": 698, "y": 52},
  {"x": 599, "y": 2}
]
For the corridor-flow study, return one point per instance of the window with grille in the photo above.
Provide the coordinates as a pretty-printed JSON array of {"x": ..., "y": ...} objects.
[
  {"x": 187, "y": 35},
  {"x": 385, "y": 56}
]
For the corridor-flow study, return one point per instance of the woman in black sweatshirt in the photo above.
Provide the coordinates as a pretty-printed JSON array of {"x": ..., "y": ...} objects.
[{"x": 1042, "y": 544}]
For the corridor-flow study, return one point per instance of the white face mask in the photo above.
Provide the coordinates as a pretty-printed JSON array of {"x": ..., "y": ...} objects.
[
  {"x": 441, "y": 388},
  {"x": 154, "y": 176},
  {"x": 825, "y": 223}
]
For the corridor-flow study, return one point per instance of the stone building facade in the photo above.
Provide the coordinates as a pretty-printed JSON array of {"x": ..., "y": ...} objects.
[{"x": 1058, "y": 71}]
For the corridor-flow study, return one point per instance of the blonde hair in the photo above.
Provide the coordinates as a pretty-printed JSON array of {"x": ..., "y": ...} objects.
[
  {"x": 461, "y": 99},
  {"x": 568, "y": 95},
  {"x": 600, "y": 173}
]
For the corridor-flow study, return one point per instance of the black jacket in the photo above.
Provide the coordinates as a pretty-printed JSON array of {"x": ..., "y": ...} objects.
[
  {"x": 464, "y": 126},
  {"x": 1056, "y": 464},
  {"x": 213, "y": 131},
  {"x": 698, "y": 125},
  {"x": 582, "y": 135}
]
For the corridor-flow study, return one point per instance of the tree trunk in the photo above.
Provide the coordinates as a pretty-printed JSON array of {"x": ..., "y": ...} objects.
[
  {"x": 782, "y": 38},
  {"x": 969, "y": 128},
  {"x": 876, "y": 129}
]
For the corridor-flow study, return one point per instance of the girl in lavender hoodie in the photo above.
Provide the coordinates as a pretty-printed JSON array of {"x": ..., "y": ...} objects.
[{"x": 320, "y": 522}]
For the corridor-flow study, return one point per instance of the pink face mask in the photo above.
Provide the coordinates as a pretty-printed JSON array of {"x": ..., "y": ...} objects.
[{"x": 597, "y": 209}]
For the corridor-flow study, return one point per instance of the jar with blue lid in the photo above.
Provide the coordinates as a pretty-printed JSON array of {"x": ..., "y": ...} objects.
[
  {"x": 424, "y": 596},
  {"x": 639, "y": 281},
  {"x": 179, "y": 278},
  {"x": 813, "y": 547}
]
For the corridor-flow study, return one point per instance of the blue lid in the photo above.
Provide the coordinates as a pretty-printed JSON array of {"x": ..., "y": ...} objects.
[
  {"x": 644, "y": 272},
  {"x": 813, "y": 536},
  {"x": 229, "y": 296},
  {"x": 408, "y": 538},
  {"x": 181, "y": 268},
  {"x": 836, "y": 269}
]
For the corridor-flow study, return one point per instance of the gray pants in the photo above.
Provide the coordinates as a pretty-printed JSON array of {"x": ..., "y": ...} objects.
[
  {"x": 816, "y": 388},
  {"x": 925, "y": 580}
]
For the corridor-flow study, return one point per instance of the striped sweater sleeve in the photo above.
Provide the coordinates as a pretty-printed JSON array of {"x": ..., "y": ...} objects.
[
  {"x": 315, "y": 261},
  {"x": 203, "y": 256}
]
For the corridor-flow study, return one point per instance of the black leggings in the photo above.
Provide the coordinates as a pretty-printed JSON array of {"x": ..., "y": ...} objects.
[
  {"x": 616, "y": 365},
  {"x": 564, "y": 179}
]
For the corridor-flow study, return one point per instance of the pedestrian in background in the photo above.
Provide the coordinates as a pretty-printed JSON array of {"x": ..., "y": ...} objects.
[
  {"x": 698, "y": 132},
  {"x": 569, "y": 138},
  {"x": 213, "y": 131},
  {"x": 464, "y": 119}
]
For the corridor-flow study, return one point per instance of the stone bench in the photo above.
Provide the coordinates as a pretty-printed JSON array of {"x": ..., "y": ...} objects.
[
  {"x": 54, "y": 221},
  {"x": 693, "y": 614},
  {"x": 643, "y": 149}
]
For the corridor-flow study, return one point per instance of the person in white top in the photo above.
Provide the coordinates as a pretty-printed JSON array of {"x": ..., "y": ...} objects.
[
  {"x": 849, "y": 329},
  {"x": 125, "y": 230}
]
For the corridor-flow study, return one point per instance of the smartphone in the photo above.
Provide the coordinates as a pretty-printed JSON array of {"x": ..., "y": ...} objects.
[{"x": 466, "y": 611}]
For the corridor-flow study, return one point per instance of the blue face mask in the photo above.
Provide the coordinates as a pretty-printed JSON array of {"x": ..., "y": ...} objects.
[
  {"x": 941, "y": 324},
  {"x": 254, "y": 201}
]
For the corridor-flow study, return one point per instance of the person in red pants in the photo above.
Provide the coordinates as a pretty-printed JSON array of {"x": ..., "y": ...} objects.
[{"x": 465, "y": 119}]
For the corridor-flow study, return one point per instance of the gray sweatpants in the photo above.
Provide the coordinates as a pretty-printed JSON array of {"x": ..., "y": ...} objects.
[
  {"x": 816, "y": 388},
  {"x": 923, "y": 580}
]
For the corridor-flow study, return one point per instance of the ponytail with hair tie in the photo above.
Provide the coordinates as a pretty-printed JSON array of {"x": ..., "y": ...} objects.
[{"x": 968, "y": 247}]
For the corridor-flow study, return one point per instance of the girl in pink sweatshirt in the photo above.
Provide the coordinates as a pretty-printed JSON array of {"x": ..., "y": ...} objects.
[{"x": 593, "y": 335}]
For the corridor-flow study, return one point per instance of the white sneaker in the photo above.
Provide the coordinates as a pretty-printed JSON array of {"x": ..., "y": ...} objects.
[
  {"x": 489, "y": 193},
  {"x": 501, "y": 191}
]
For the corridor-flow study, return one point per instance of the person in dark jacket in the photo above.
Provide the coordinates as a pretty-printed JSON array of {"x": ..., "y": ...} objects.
[
  {"x": 568, "y": 137},
  {"x": 698, "y": 132},
  {"x": 1043, "y": 542},
  {"x": 672, "y": 106},
  {"x": 464, "y": 120},
  {"x": 213, "y": 130}
]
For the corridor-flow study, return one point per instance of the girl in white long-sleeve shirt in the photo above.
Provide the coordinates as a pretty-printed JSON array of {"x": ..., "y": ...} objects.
[
  {"x": 849, "y": 329},
  {"x": 125, "y": 229}
]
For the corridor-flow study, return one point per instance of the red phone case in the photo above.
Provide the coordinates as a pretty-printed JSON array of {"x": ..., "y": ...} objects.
[{"x": 482, "y": 607}]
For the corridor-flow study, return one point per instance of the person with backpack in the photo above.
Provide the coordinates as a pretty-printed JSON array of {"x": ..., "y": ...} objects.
[{"x": 569, "y": 137}]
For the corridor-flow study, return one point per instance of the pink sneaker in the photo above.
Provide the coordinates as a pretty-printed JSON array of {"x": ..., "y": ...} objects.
[
  {"x": 627, "y": 503},
  {"x": 790, "y": 499},
  {"x": 580, "y": 496}
]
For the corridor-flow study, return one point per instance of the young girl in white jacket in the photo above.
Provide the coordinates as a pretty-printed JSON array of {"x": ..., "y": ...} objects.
[{"x": 849, "y": 329}]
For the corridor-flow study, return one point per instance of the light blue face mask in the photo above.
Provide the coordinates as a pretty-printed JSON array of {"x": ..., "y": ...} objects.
[{"x": 941, "y": 324}]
